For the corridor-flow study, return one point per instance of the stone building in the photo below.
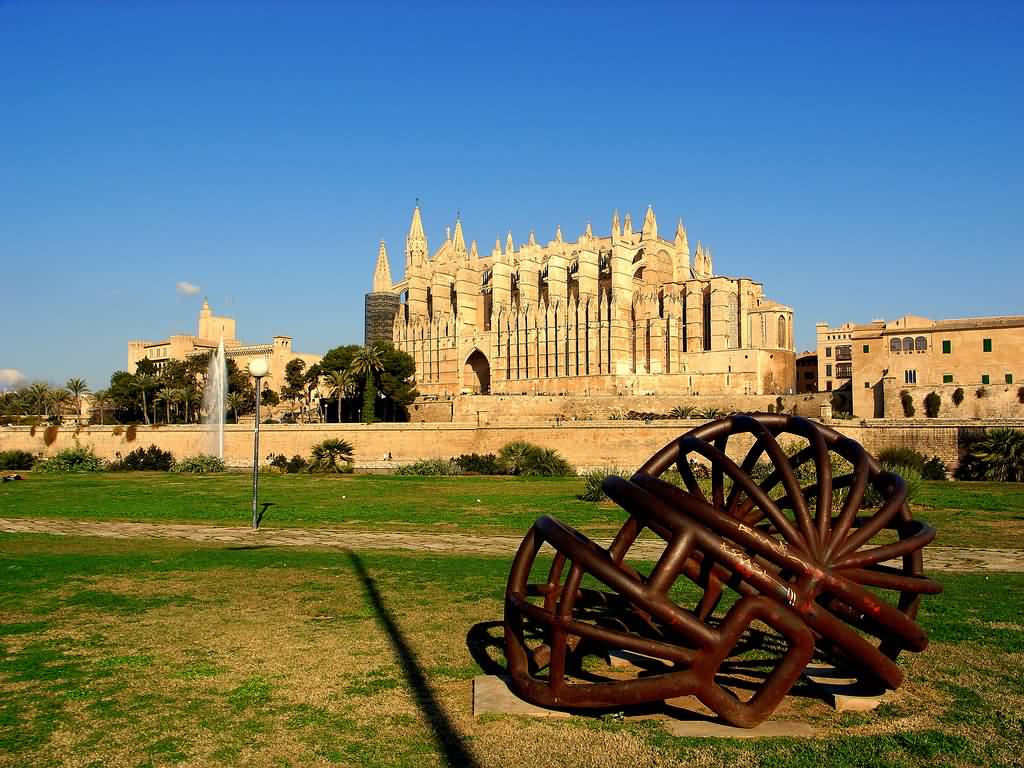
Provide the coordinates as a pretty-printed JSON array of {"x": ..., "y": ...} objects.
[
  {"x": 211, "y": 329},
  {"x": 919, "y": 355},
  {"x": 627, "y": 313},
  {"x": 806, "y": 372}
]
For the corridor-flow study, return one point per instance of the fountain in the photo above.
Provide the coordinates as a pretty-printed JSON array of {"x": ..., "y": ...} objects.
[{"x": 214, "y": 394}]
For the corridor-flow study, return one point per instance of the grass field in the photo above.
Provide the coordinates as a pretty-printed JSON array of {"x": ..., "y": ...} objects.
[
  {"x": 965, "y": 514},
  {"x": 151, "y": 653}
]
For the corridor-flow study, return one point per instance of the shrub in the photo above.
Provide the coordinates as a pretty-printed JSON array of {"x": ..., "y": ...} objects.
[
  {"x": 479, "y": 464},
  {"x": 700, "y": 471},
  {"x": 907, "y": 401},
  {"x": 200, "y": 464},
  {"x": 1020, "y": 394},
  {"x": 16, "y": 459},
  {"x": 332, "y": 455},
  {"x": 779, "y": 405},
  {"x": 958, "y": 396},
  {"x": 50, "y": 435},
  {"x": 523, "y": 458},
  {"x": 290, "y": 466},
  {"x": 592, "y": 481},
  {"x": 906, "y": 457},
  {"x": 438, "y": 467},
  {"x": 77, "y": 459},
  {"x": 999, "y": 455},
  {"x": 117, "y": 430},
  {"x": 129, "y": 434},
  {"x": 910, "y": 475},
  {"x": 151, "y": 458},
  {"x": 707, "y": 413},
  {"x": 932, "y": 404},
  {"x": 934, "y": 469},
  {"x": 681, "y": 412},
  {"x": 980, "y": 392}
]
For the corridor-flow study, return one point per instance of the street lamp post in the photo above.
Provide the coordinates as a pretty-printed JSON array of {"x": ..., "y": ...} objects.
[{"x": 257, "y": 369}]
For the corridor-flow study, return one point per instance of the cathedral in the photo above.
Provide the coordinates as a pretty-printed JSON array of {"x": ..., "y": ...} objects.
[{"x": 629, "y": 313}]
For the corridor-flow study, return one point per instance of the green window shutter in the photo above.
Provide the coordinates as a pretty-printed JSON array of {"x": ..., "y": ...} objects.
[
  {"x": 1009, "y": 378},
  {"x": 867, "y": 348},
  {"x": 947, "y": 347},
  {"x": 986, "y": 345},
  {"x": 947, "y": 378},
  {"x": 984, "y": 378}
]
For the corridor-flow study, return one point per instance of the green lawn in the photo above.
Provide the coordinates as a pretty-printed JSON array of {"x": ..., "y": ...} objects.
[
  {"x": 117, "y": 653},
  {"x": 965, "y": 514}
]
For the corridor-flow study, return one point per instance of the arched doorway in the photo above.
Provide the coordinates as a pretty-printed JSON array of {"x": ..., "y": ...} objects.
[{"x": 476, "y": 374}]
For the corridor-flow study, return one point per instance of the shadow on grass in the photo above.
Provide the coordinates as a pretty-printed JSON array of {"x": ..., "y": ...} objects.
[{"x": 448, "y": 740}]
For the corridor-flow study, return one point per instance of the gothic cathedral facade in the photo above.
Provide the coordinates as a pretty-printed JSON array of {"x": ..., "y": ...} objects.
[{"x": 628, "y": 313}]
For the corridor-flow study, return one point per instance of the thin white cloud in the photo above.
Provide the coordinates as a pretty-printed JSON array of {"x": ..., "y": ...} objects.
[
  {"x": 185, "y": 288},
  {"x": 11, "y": 378}
]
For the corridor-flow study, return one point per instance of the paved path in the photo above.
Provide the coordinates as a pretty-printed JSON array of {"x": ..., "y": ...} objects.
[{"x": 936, "y": 558}]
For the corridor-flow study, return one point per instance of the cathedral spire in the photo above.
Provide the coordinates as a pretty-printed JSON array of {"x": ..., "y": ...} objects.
[
  {"x": 460, "y": 241},
  {"x": 532, "y": 239},
  {"x": 589, "y": 231},
  {"x": 650, "y": 230},
  {"x": 497, "y": 247},
  {"x": 382, "y": 272},
  {"x": 682, "y": 243},
  {"x": 509, "y": 245},
  {"x": 615, "y": 224},
  {"x": 627, "y": 226},
  {"x": 473, "y": 254},
  {"x": 558, "y": 233},
  {"x": 416, "y": 241}
]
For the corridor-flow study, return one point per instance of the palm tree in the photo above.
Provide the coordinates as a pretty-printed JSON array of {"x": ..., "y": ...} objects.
[
  {"x": 143, "y": 383},
  {"x": 177, "y": 394},
  {"x": 59, "y": 399},
  {"x": 100, "y": 398},
  {"x": 234, "y": 401},
  {"x": 367, "y": 362},
  {"x": 331, "y": 455},
  {"x": 77, "y": 388},
  {"x": 342, "y": 385},
  {"x": 189, "y": 397},
  {"x": 163, "y": 395},
  {"x": 40, "y": 393}
]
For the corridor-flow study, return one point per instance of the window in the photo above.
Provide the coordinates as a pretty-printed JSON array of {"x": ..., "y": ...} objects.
[
  {"x": 908, "y": 344},
  {"x": 828, "y": 370},
  {"x": 921, "y": 344},
  {"x": 894, "y": 345},
  {"x": 984, "y": 378},
  {"x": 947, "y": 378},
  {"x": 844, "y": 352},
  {"x": 986, "y": 345},
  {"x": 910, "y": 377},
  {"x": 828, "y": 351},
  {"x": 867, "y": 385},
  {"x": 867, "y": 348},
  {"x": 1009, "y": 378},
  {"x": 828, "y": 386},
  {"x": 844, "y": 370},
  {"x": 947, "y": 346}
]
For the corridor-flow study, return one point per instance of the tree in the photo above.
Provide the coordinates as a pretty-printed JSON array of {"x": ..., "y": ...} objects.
[
  {"x": 932, "y": 404},
  {"x": 342, "y": 385},
  {"x": 999, "y": 456},
  {"x": 397, "y": 381},
  {"x": 163, "y": 395},
  {"x": 189, "y": 397},
  {"x": 143, "y": 384},
  {"x": 366, "y": 362},
  {"x": 234, "y": 401},
  {"x": 100, "y": 398},
  {"x": 332, "y": 455},
  {"x": 39, "y": 392},
  {"x": 59, "y": 400},
  {"x": 77, "y": 388},
  {"x": 294, "y": 381}
]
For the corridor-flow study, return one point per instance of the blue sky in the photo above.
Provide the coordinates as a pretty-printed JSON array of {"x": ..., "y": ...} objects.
[{"x": 863, "y": 160}]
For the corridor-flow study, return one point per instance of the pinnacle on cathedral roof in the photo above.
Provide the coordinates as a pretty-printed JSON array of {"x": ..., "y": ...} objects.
[
  {"x": 627, "y": 225},
  {"x": 509, "y": 245},
  {"x": 460, "y": 242},
  {"x": 382, "y": 272},
  {"x": 473, "y": 255},
  {"x": 589, "y": 232},
  {"x": 416, "y": 240},
  {"x": 558, "y": 233},
  {"x": 650, "y": 230}
]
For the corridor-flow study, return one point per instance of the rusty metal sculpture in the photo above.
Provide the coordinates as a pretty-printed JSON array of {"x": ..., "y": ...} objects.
[{"x": 813, "y": 580}]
